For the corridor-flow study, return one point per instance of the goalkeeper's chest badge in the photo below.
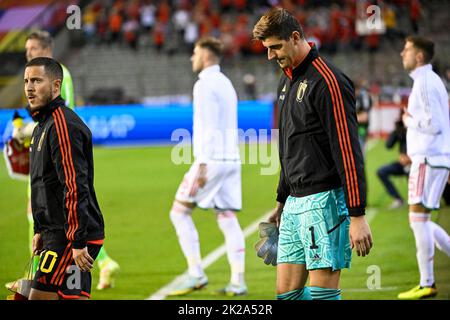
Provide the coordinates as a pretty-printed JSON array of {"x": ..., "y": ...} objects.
[
  {"x": 41, "y": 140},
  {"x": 301, "y": 90}
]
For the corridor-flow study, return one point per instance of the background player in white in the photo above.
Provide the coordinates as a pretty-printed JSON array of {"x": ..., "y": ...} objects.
[
  {"x": 428, "y": 146},
  {"x": 214, "y": 179}
]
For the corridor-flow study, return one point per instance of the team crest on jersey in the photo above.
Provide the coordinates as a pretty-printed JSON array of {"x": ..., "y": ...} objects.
[
  {"x": 41, "y": 140},
  {"x": 282, "y": 95},
  {"x": 301, "y": 90}
]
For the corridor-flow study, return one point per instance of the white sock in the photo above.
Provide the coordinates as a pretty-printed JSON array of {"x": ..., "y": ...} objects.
[
  {"x": 441, "y": 238},
  {"x": 181, "y": 218},
  {"x": 420, "y": 224},
  {"x": 235, "y": 244}
]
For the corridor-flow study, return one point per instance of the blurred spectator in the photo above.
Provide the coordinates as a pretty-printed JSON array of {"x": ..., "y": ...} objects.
[
  {"x": 191, "y": 34},
  {"x": 181, "y": 19},
  {"x": 133, "y": 9},
  {"x": 115, "y": 24},
  {"x": 89, "y": 22},
  {"x": 163, "y": 12},
  {"x": 396, "y": 168},
  {"x": 250, "y": 86},
  {"x": 130, "y": 32},
  {"x": 102, "y": 26},
  {"x": 414, "y": 14},
  {"x": 373, "y": 42},
  {"x": 390, "y": 21},
  {"x": 159, "y": 36},
  {"x": 330, "y": 23},
  {"x": 363, "y": 106},
  {"x": 147, "y": 15}
]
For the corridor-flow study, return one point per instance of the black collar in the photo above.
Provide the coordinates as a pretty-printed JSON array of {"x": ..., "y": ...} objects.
[
  {"x": 293, "y": 74},
  {"x": 47, "y": 110}
]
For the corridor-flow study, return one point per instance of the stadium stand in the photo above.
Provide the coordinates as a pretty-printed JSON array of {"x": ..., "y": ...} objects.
[{"x": 129, "y": 44}]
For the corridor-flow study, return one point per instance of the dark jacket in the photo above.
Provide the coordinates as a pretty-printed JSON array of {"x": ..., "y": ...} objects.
[
  {"x": 398, "y": 135},
  {"x": 318, "y": 140},
  {"x": 63, "y": 199}
]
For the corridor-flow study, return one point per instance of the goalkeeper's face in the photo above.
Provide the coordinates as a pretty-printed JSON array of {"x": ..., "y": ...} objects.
[{"x": 283, "y": 51}]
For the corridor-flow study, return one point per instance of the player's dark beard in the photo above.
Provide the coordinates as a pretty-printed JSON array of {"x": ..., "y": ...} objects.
[{"x": 46, "y": 99}]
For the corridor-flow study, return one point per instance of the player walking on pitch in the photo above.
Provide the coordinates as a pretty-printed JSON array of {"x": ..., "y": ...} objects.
[
  {"x": 214, "y": 179},
  {"x": 427, "y": 139},
  {"x": 68, "y": 224},
  {"x": 40, "y": 44},
  {"x": 321, "y": 199}
]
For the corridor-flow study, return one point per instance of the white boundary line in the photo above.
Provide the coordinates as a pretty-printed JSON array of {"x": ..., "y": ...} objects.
[
  {"x": 370, "y": 290},
  {"x": 207, "y": 261},
  {"x": 162, "y": 293}
]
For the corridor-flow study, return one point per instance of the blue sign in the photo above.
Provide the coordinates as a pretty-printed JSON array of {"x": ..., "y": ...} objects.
[{"x": 140, "y": 124}]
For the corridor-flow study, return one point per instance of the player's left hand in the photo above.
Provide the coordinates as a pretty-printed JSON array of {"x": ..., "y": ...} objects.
[
  {"x": 360, "y": 235},
  {"x": 82, "y": 259}
]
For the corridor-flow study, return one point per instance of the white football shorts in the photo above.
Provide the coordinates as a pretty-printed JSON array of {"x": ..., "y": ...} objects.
[
  {"x": 222, "y": 190},
  {"x": 426, "y": 184}
]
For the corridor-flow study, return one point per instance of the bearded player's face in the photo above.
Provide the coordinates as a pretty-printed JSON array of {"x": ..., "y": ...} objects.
[{"x": 38, "y": 87}]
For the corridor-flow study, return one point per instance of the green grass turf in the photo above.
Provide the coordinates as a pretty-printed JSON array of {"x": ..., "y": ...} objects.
[{"x": 135, "y": 189}]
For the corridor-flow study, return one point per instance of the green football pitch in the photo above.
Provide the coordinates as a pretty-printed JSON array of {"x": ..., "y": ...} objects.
[{"x": 135, "y": 188}]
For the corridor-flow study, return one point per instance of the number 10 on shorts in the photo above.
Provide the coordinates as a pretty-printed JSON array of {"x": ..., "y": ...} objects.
[{"x": 49, "y": 258}]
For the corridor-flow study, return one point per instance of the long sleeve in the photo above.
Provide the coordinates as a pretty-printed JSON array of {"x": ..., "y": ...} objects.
[
  {"x": 335, "y": 101},
  {"x": 68, "y": 157},
  {"x": 282, "y": 189},
  {"x": 206, "y": 122},
  {"x": 428, "y": 120}
]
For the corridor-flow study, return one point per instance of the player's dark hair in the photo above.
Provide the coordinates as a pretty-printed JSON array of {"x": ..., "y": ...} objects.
[
  {"x": 212, "y": 44},
  {"x": 277, "y": 22},
  {"x": 51, "y": 66},
  {"x": 423, "y": 44},
  {"x": 44, "y": 38}
]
